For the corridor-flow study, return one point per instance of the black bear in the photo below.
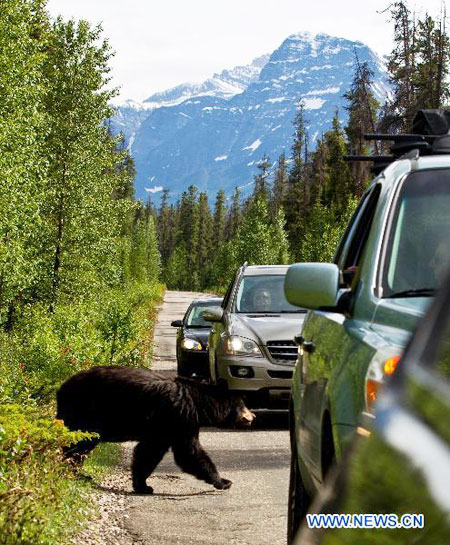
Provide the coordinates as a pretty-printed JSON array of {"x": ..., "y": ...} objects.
[{"x": 129, "y": 404}]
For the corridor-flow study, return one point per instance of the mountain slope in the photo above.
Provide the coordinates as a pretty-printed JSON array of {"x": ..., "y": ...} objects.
[{"x": 213, "y": 134}]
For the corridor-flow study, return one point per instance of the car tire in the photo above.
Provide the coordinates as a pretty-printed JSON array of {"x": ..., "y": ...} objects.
[{"x": 298, "y": 499}]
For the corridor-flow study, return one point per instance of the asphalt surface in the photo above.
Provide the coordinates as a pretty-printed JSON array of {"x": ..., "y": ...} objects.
[{"x": 185, "y": 511}]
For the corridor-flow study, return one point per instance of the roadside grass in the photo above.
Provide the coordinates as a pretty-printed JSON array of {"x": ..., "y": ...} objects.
[
  {"x": 104, "y": 457},
  {"x": 43, "y": 499}
]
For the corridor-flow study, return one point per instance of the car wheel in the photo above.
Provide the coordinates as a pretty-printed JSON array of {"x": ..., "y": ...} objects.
[{"x": 298, "y": 500}]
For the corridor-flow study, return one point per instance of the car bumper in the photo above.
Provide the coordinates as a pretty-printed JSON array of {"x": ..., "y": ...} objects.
[{"x": 269, "y": 382}]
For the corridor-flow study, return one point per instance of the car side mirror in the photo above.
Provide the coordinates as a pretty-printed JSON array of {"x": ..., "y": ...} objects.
[
  {"x": 213, "y": 315},
  {"x": 312, "y": 285},
  {"x": 177, "y": 323}
]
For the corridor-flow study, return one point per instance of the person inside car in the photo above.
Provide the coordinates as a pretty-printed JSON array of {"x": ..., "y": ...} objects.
[{"x": 261, "y": 300}]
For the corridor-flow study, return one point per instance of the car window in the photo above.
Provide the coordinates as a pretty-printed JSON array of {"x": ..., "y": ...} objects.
[
  {"x": 260, "y": 294},
  {"x": 228, "y": 294},
  {"x": 353, "y": 246},
  {"x": 195, "y": 316},
  {"x": 418, "y": 251},
  {"x": 345, "y": 240},
  {"x": 362, "y": 230}
]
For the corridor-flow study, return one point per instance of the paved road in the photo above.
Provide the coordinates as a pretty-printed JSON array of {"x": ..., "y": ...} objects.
[{"x": 185, "y": 511}]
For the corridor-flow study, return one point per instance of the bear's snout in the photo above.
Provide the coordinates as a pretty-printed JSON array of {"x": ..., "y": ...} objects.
[{"x": 245, "y": 417}]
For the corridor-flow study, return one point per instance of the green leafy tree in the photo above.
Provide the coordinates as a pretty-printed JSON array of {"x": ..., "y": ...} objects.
[
  {"x": 23, "y": 164},
  {"x": 82, "y": 237},
  {"x": 257, "y": 240}
]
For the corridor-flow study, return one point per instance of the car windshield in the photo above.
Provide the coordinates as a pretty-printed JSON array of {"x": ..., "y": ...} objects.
[
  {"x": 195, "y": 315},
  {"x": 263, "y": 294},
  {"x": 419, "y": 245}
]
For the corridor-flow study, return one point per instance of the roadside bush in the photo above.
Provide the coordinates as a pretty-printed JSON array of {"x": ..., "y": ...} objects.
[
  {"x": 37, "y": 494},
  {"x": 46, "y": 348}
]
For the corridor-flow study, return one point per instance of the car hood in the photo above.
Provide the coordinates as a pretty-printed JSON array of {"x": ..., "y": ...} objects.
[
  {"x": 198, "y": 333},
  {"x": 279, "y": 327}
]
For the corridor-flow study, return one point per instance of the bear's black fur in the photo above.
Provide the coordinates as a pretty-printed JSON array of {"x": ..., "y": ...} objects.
[{"x": 129, "y": 404}]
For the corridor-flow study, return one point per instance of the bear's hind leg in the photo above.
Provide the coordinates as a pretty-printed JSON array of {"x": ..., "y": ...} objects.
[
  {"x": 146, "y": 457},
  {"x": 192, "y": 459}
]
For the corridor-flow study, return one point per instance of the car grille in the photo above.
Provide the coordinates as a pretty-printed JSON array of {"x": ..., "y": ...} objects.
[{"x": 282, "y": 351}]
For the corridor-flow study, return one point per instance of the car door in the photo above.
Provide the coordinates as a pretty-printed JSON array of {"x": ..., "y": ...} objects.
[
  {"x": 218, "y": 328},
  {"x": 330, "y": 339},
  {"x": 399, "y": 465}
]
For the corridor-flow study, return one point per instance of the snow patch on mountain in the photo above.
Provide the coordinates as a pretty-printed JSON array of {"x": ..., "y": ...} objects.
[{"x": 213, "y": 134}]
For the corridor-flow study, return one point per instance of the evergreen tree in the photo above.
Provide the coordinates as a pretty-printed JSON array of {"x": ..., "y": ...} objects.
[
  {"x": 298, "y": 196},
  {"x": 280, "y": 186},
  {"x": 234, "y": 217},
  {"x": 399, "y": 112},
  {"x": 166, "y": 228},
  {"x": 219, "y": 220},
  {"x": 418, "y": 67},
  {"x": 338, "y": 184},
  {"x": 261, "y": 185},
  {"x": 205, "y": 240},
  {"x": 362, "y": 112},
  {"x": 430, "y": 79}
]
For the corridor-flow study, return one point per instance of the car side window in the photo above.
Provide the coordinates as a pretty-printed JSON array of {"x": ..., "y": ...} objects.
[
  {"x": 362, "y": 230},
  {"x": 228, "y": 294},
  {"x": 344, "y": 242},
  {"x": 350, "y": 257}
]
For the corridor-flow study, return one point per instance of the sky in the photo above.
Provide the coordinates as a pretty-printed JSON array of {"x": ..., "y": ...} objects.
[{"x": 162, "y": 43}]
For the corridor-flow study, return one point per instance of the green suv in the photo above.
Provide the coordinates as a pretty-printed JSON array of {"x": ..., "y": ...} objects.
[{"x": 364, "y": 307}]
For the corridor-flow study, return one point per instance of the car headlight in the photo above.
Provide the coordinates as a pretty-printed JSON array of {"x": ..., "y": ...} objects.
[
  {"x": 190, "y": 344},
  {"x": 241, "y": 346}
]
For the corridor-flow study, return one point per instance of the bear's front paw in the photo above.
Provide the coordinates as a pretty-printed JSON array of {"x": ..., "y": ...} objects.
[
  {"x": 143, "y": 489},
  {"x": 223, "y": 484}
]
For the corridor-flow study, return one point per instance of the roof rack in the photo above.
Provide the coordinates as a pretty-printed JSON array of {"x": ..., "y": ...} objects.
[{"x": 430, "y": 135}]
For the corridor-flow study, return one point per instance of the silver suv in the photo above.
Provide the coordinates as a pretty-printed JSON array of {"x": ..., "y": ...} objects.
[{"x": 251, "y": 343}]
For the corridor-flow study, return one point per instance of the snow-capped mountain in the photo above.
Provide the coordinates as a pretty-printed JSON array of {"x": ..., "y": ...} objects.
[{"x": 213, "y": 134}]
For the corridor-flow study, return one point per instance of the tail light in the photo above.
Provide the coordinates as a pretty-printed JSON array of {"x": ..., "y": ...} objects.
[{"x": 382, "y": 366}]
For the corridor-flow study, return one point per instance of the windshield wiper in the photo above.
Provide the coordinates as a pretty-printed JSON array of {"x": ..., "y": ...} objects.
[
  {"x": 260, "y": 313},
  {"x": 420, "y": 292},
  {"x": 300, "y": 310}
]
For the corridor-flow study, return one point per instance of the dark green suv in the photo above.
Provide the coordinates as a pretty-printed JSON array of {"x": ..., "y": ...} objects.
[{"x": 364, "y": 307}]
